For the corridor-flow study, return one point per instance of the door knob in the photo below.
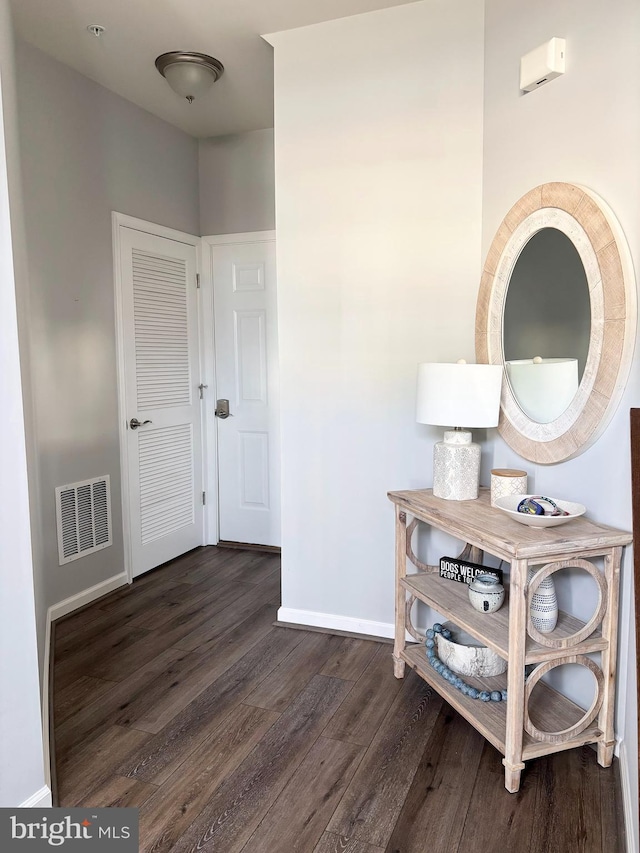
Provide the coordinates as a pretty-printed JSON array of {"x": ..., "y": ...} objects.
[
  {"x": 222, "y": 409},
  {"x": 134, "y": 423}
]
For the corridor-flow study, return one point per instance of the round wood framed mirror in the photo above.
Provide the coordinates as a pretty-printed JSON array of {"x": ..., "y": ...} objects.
[{"x": 560, "y": 263}]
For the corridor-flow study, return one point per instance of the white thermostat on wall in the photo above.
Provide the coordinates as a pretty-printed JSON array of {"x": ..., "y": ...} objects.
[{"x": 541, "y": 65}]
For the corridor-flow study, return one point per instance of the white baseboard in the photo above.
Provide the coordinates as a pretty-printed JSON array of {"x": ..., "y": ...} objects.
[
  {"x": 628, "y": 801},
  {"x": 62, "y": 608},
  {"x": 40, "y": 800},
  {"x": 332, "y": 622}
]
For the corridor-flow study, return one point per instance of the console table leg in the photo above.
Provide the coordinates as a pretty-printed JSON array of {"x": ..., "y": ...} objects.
[
  {"x": 605, "y": 753},
  {"x": 401, "y": 596},
  {"x": 608, "y": 662},
  {"x": 512, "y": 776},
  {"x": 515, "y": 675}
]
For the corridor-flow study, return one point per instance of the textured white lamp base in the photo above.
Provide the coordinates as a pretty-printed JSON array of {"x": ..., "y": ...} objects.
[{"x": 456, "y": 467}]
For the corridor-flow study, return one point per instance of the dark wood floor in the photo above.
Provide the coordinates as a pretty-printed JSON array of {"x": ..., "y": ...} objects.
[{"x": 179, "y": 696}]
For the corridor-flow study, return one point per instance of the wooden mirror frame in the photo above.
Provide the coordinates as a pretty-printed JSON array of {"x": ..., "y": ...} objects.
[{"x": 598, "y": 238}]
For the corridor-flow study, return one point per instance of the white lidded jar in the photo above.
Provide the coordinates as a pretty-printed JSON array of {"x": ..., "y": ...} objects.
[
  {"x": 507, "y": 481},
  {"x": 486, "y": 593}
]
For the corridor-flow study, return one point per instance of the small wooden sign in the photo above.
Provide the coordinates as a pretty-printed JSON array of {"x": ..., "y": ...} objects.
[{"x": 463, "y": 571}]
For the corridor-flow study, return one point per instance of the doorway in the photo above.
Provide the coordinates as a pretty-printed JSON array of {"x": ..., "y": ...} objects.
[
  {"x": 240, "y": 351},
  {"x": 198, "y": 390},
  {"x": 156, "y": 284}
]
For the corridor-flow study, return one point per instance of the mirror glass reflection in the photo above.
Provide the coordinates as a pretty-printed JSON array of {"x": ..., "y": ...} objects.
[{"x": 546, "y": 325}]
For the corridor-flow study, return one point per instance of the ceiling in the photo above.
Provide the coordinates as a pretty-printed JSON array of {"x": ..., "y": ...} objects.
[{"x": 136, "y": 31}]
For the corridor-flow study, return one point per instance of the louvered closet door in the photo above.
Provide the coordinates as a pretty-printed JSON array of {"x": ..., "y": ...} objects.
[{"x": 161, "y": 357}]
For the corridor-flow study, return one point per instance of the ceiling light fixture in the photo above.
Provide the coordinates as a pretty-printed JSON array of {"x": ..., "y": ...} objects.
[{"x": 189, "y": 74}]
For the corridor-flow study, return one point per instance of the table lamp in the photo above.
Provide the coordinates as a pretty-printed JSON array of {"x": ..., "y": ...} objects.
[{"x": 458, "y": 395}]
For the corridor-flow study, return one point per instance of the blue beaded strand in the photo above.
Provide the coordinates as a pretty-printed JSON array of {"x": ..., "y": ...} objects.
[{"x": 451, "y": 676}]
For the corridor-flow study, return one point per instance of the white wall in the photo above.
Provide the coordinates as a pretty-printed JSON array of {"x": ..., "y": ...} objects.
[
  {"x": 21, "y": 760},
  {"x": 378, "y": 146},
  {"x": 85, "y": 152},
  {"x": 237, "y": 191},
  {"x": 583, "y": 128}
]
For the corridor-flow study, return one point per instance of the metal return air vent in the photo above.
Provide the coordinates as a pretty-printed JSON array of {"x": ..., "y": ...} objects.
[{"x": 83, "y": 513}]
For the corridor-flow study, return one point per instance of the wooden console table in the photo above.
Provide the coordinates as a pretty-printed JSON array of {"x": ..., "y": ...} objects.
[{"x": 530, "y": 723}]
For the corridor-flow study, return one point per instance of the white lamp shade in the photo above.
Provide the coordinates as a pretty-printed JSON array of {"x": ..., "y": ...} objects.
[
  {"x": 459, "y": 395},
  {"x": 543, "y": 387},
  {"x": 189, "y": 79}
]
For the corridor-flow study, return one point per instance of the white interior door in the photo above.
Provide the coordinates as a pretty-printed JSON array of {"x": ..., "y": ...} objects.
[
  {"x": 246, "y": 368},
  {"x": 159, "y": 344}
]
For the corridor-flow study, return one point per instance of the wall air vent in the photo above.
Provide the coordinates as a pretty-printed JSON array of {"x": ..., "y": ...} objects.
[{"x": 83, "y": 513}]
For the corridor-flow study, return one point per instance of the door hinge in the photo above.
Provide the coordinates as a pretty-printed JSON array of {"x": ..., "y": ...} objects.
[
  {"x": 201, "y": 388},
  {"x": 204, "y": 498},
  {"x": 198, "y": 281}
]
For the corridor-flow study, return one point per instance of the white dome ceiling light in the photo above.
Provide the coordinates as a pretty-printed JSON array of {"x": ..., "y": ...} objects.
[{"x": 189, "y": 74}]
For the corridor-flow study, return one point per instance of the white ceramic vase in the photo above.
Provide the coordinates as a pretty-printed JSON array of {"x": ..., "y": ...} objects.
[{"x": 544, "y": 605}]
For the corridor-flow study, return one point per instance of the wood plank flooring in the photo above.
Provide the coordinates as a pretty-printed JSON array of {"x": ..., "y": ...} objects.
[{"x": 179, "y": 696}]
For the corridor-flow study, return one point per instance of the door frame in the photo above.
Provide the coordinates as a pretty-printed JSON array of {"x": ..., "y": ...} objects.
[
  {"x": 118, "y": 221},
  {"x": 207, "y": 366}
]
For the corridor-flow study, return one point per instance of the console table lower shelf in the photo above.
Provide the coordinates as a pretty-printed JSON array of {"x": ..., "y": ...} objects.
[{"x": 490, "y": 718}]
